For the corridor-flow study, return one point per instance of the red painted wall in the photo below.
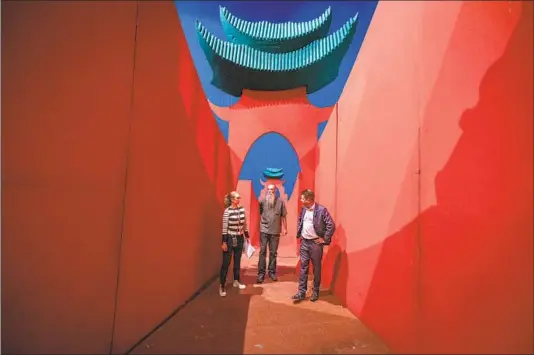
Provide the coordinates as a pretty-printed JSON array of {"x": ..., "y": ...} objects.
[
  {"x": 426, "y": 165},
  {"x": 92, "y": 180},
  {"x": 66, "y": 82},
  {"x": 433, "y": 190},
  {"x": 477, "y": 241},
  {"x": 173, "y": 192}
]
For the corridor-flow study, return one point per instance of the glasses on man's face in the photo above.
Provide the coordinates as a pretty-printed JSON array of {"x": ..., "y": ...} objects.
[{"x": 237, "y": 198}]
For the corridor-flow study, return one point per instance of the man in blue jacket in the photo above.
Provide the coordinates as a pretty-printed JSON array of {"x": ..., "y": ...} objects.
[{"x": 315, "y": 227}]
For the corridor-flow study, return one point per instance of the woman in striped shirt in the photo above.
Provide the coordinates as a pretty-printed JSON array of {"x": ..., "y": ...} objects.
[{"x": 234, "y": 232}]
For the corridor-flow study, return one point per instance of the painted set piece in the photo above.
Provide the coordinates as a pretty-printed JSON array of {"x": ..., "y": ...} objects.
[
  {"x": 274, "y": 37},
  {"x": 273, "y": 173},
  {"x": 272, "y": 57},
  {"x": 272, "y": 67}
]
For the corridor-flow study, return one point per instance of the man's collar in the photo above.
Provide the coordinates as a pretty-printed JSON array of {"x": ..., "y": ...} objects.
[{"x": 311, "y": 208}]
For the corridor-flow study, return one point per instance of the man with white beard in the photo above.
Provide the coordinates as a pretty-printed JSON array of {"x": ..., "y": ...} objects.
[{"x": 273, "y": 223}]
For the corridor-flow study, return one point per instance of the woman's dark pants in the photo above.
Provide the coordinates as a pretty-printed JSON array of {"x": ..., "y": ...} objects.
[{"x": 237, "y": 252}]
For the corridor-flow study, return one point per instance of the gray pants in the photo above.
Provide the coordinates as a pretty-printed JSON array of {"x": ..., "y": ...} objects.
[
  {"x": 314, "y": 252},
  {"x": 272, "y": 240}
]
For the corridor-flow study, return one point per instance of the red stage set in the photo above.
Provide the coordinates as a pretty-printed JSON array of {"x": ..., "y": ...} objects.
[{"x": 114, "y": 172}]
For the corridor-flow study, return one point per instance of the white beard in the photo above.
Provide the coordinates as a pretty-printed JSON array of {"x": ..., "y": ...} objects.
[{"x": 270, "y": 201}]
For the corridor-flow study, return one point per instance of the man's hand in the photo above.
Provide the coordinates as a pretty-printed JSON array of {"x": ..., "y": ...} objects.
[
  {"x": 224, "y": 247},
  {"x": 284, "y": 231},
  {"x": 319, "y": 241}
]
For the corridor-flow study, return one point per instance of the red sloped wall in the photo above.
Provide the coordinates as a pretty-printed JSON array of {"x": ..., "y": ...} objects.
[
  {"x": 92, "y": 181},
  {"x": 66, "y": 80},
  {"x": 171, "y": 244}
]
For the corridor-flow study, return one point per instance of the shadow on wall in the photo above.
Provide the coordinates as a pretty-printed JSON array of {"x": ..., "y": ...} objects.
[
  {"x": 66, "y": 80},
  {"x": 173, "y": 212},
  {"x": 476, "y": 276},
  {"x": 335, "y": 266}
]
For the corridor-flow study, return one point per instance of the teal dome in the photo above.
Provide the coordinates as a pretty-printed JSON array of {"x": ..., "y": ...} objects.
[
  {"x": 275, "y": 56},
  {"x": 273, "y": 173}
]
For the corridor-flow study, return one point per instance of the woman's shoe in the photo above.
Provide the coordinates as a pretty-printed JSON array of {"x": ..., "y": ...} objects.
[
  {"x": 222, "y": 291},
  {"x": 239, "y": 285}
]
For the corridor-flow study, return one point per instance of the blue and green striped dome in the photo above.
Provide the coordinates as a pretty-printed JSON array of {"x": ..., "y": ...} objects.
[
  {"x": 273, "y": 173},
  {"x": 275, "y": 56}
]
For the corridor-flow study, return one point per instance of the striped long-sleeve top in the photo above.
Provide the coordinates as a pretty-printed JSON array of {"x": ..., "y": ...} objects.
[{"x": 234, "y": 222}]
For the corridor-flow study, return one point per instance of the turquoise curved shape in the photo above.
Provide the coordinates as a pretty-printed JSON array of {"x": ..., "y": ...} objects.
[
  {"x": 254, "y": 59},
  {"x": 239, "y": 66},
  {"x": 273, "y": 173},
  {"x": 274, "y": 37}
]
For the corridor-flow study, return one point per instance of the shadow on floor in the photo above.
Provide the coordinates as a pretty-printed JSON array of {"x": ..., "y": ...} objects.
[{"x": 262, "y": 319}]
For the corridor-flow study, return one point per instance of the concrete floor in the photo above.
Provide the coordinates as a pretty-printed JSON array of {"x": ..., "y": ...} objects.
[{"x": 262, "y": 319}]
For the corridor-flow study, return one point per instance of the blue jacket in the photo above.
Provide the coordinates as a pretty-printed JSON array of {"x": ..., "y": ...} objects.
[{"x": 322, "y": 223}]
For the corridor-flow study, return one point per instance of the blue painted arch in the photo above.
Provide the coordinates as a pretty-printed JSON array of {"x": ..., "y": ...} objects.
[{"x": 271, "y": 150}]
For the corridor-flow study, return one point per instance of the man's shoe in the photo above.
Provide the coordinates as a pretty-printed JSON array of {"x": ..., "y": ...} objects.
[
  {"x": 298, "y": 297},
  {"x": 314, "y": 297},
  {"x": 273, "y": 277},
  {"x": 260, "y": 279}
]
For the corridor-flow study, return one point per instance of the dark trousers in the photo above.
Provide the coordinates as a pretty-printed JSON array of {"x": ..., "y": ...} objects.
[
  {"x": 272, "y": 240},
  {"x": 227, "y": 258},
  {"x": 314, "y": 252}
]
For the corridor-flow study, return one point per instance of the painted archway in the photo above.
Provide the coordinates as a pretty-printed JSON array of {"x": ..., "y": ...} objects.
[{"x": 271, "y": 149}]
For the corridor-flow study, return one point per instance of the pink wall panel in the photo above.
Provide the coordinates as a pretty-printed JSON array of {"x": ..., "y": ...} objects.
[
  {"x": 326, "y": 169},
  {"x": 251, "y": 204},
  {"x": 326, "y": 194},
  {"x": 376, "y": 180},
  {"x": 477, "y": 239},
  {"x": 458, "y": 276}
]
